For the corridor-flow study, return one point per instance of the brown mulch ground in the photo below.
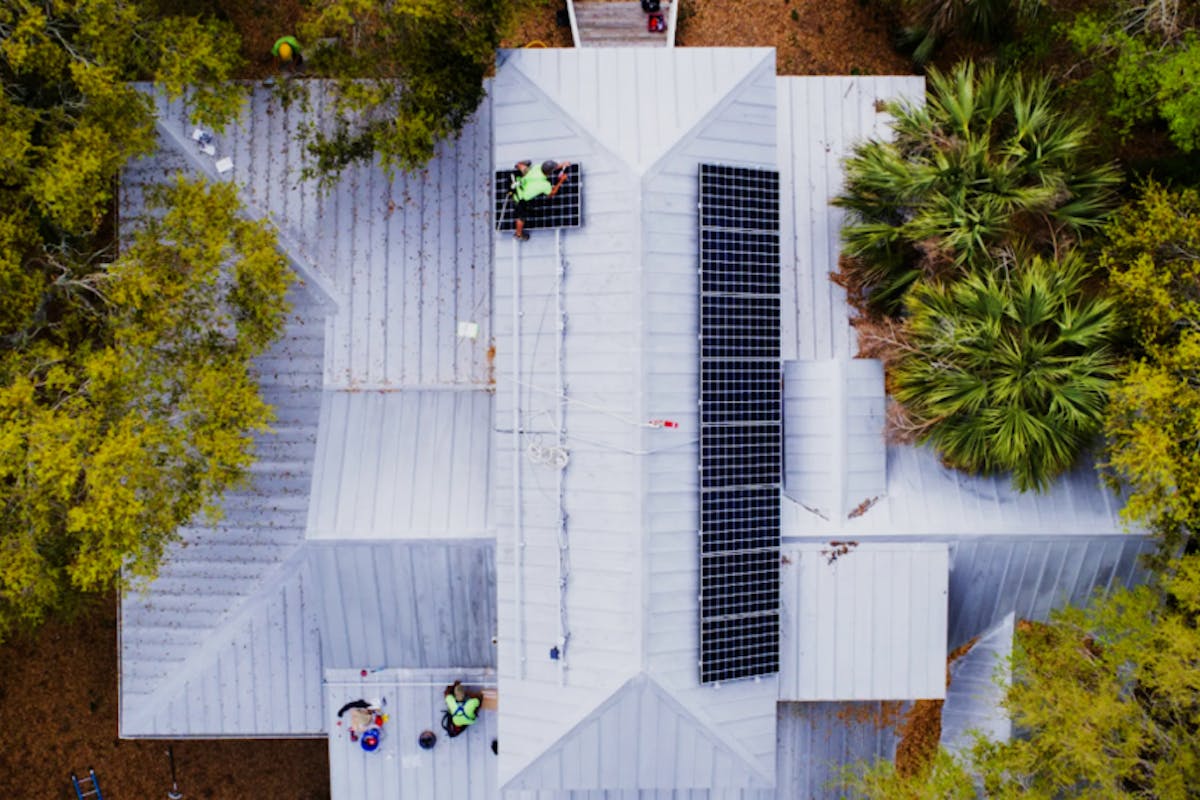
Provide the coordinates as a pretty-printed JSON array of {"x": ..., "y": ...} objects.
[
  {"x": 811, "y": 37},
  {"x": 58, "y": 715},
  {"x": 58, "y": 696}
]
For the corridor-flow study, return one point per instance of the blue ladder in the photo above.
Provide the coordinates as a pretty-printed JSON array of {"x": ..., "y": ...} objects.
[{"x": 87, "y": 786}]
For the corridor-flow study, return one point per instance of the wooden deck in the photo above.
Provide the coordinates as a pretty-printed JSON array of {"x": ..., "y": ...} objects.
[{"x": 604, "y": 23}]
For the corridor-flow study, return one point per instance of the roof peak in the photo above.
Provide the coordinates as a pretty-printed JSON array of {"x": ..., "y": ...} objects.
[
  {"x": 657, "y": 99},
  {"x": 641, "y": 709}
]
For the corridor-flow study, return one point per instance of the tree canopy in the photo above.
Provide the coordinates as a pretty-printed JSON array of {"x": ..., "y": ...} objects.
[
  {"x": 990, "y": 162},
  {"x": 1105, "y": 704},
  {"x": 134, "y": 410},
  {"x": 126, "y": 398},
  {"x": 1153, "y": 425},
  {"x": 1009, "y": 372},
  {"x": 409, "y": 73}
]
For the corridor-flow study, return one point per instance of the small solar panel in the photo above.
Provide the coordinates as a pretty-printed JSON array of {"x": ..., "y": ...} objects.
[
  {"x": 741, "y": 422},
  {"x": 564, "y": 210}
]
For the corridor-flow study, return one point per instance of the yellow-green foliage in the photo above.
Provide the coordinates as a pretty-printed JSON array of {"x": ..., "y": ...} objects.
[
  {"x": 1153, "y": 425},
  {"x": 947, "y": 778},
  {"x": 1106, "y": 700},
  {"x": 110, "y": 441},
  {"x": 69, "y": 118}
]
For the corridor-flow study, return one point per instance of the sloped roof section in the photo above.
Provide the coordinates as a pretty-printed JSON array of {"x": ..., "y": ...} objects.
[
  {"x": 864, "y": 621},
  {"x": 1031, "y": 576},
  {"x": 609, "y": 749},
  {"x": 402, "y": 465},
  {"x": 229, "y": 592},
  {"x": 638, "y": 103},
  {"x": 410, "y": 604},
  {"x": 463, "y": 768},
  {"x": 411, "y": 254},
  {"x": 817, "y": 740},
  {"x": 834, "y": 449},
  {"x": 978, "y": 681},
  {"x": 616, "y": 525}
]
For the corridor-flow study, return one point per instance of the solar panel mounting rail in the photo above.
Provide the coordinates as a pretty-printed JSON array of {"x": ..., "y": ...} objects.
[{"x": 741, "y": 422}]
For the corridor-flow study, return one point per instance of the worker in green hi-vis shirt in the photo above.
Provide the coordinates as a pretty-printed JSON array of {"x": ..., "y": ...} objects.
[
  {"x": 287, "y": 50},
  {"x": 462, "y": 709}
]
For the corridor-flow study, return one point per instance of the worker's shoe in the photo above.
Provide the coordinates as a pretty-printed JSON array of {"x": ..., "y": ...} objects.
[{"x": 524, "y": 237}]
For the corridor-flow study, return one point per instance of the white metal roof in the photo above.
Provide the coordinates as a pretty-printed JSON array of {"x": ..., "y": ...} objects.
[
  {"x": 818, "y": 740},
  {"x": 410, "y": 604},
  {"x": 864, "y": 621},
  {"x": 991, "y": 576},
  {"x": 608, "y": 749},
  {"x": 403, "y": 259},
  {"x": 978, "y": 681},
  {"x": 402, "y": 464},
  {"x": 627, "y": 504},
  {"x": 231, "y": 638},
  {"x": 462, "y": 768},
  {"x": 834, "y": 450}
]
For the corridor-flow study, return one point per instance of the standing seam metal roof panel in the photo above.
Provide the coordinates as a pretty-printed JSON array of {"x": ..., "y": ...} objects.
[
  {"x": 403, "y": 464},
  {"x": 608, "y": 346},
  {"x": 864, "y": 621}
]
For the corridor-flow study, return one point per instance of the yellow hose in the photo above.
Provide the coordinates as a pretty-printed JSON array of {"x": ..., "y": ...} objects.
[{"x": 536, "y": 43}]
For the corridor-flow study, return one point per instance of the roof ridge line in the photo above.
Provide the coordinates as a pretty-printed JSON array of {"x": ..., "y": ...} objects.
[
  {"x": 220, "y": 636},
  {"x": 570, "y": 121},
  {"x": 710, "y": 726},
  {"x": 702, "y": 723},
  {"x": 311, "y": 277},
  {"x": 692, "y": 133}
]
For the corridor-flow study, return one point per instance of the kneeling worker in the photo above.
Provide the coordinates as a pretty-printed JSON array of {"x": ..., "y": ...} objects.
[
  {"x": 533, "y": 185},
  {"x": 462, "y": 709}
]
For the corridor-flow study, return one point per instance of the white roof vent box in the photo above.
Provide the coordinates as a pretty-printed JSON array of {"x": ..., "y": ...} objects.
[{"x": 835, "y": 454}]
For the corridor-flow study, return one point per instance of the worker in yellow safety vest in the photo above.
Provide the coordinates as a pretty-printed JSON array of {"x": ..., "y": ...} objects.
[
  {"x": 531, "y": 186},
  {"x": 462, "y": 709}
]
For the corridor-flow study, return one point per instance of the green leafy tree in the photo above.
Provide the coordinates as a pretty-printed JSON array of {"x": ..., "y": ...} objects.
[
  {"x": 1153, "y": 425},
  {"x": 109, "y": 436},
  {"x": 945, "y": 778},
  {"x": 409, "y": 73},
  {"x": 69, "y": 118},
  {"x": 1007, "y": 372},
  {"x": 1105, "y": 701},
  {"x": 134, "y": 409},
  {"x": 1143, "y": 63},
  {"x": 1105, "y": 705}
]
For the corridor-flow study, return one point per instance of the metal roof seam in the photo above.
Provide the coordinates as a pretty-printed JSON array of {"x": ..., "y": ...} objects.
[{"x": 199, "y": 659}]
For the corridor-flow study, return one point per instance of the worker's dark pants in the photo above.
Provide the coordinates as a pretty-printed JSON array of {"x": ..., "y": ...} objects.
[{"x": 523, "y": 209}]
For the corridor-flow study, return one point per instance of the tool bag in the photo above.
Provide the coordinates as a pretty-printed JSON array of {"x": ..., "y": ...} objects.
[{"x": 650, "y": 6}]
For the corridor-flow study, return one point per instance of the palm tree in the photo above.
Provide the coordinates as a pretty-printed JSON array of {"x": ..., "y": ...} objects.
[
  {"x": 987, "y": 163},
  {"x": 1008, "y": 371}
]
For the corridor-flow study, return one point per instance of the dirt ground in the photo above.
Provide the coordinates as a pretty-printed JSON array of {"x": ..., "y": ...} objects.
[
  {"x": 58, "y": 715},
  {"x": 58, "y": 696}
]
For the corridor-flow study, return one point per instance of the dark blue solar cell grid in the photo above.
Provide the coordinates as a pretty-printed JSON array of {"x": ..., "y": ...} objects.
[
  {"x": 739, "y": 326},
  {"x": 737, "y": 197},
  {"x": 739, "y": 646},
  {"x": 741, "y": 422},
  {"x": 739, "y": 261},
  {"x": 564, "y": 210}
]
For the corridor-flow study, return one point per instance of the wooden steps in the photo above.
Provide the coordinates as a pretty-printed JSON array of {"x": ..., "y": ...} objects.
[{"x": 617, "y": 24}]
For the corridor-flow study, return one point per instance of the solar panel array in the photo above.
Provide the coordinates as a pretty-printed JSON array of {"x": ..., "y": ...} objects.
[
  {"x": 564, "y": 210},
  {"x": 741, "y": 422}
]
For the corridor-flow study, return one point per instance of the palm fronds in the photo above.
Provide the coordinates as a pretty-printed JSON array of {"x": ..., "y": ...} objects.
[
  {"x": 986, "y": 163},
  {"x": 1008, "y": 373}
]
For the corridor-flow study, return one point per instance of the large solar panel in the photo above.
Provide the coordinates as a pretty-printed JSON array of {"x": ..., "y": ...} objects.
[
  {"x": 564, "y": 210},
  {"x": 741, "y": 422}
]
